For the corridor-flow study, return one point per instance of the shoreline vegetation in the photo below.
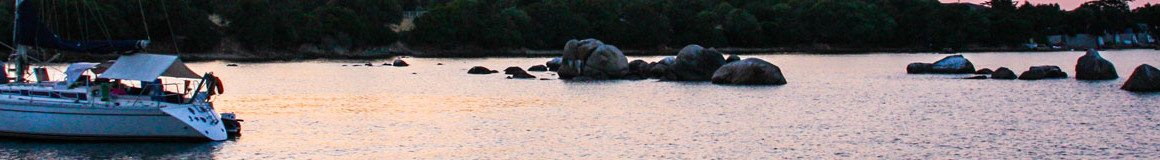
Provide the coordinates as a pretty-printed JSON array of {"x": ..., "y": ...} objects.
[
  {"x": 281, "y": 56},
  {"x": 273, "y": 30}
]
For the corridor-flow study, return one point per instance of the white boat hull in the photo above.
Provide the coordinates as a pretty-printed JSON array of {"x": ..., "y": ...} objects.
[{"x": 93, "y": 124}]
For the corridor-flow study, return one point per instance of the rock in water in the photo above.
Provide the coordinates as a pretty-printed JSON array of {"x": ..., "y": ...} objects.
[
  {"x": 399, "y": 63},
  {"x": 1003, "y": 73},
  {"x": 580, "y": 49},
  {"x": 1144, "y": 79},
  {"x": 695, "y": 63},
  {"x": 955, "y": 64},
  {"x": 917, "y": 68},
  {"x": 984, "y": 71},
  {"x": 538, "y": 68},
  {"x": 732, "y": 58},
  {"x": 1092, "y": 66},
  {"x": 606, "y": 62},
  {"x": 554, "y": 64},
  {"x": 1042, "y": 72},
  {"x": 976, "y": 77},
  {"x": 480, "y": 70},
  {"x": 513, "y": 70},
  {"x": 523, "y": 75},
  {"x": 750, "y": 71},
  {"x": 637, "y": 68},
  {"x": 576, "y": 53}
]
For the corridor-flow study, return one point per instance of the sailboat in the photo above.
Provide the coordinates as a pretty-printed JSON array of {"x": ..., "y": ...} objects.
[{"x": 98, "y": 101}]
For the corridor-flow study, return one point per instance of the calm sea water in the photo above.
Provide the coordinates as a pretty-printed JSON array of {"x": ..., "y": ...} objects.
[{"x": 835, "y": 106}]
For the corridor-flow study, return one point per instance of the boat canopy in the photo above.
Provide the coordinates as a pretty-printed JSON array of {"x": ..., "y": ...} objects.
[
  {"x": 148, "y": 67},
  {"x": 75, "y": 70}
]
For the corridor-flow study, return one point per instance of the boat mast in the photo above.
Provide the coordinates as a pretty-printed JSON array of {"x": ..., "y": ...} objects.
[{"x": 21, "y": 50}]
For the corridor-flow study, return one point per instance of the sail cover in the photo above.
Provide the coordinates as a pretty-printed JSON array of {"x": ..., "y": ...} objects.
[
  {"x": 31, "y": 31},
  {"x": 147, "y": 67}
]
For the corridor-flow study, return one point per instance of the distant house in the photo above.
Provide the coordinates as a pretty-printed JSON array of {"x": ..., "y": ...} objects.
[{"x": 1130, "y": 37}]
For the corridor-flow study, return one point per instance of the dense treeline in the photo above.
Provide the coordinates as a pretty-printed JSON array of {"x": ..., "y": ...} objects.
[
  {"x": 294, "y": 25},
  {"x": 203, "y": 25},
  {"x": 645, "y": 24}
]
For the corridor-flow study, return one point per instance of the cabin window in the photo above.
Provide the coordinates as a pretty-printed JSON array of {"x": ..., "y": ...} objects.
[
  {"x": 40, "y": 93},
  {"x": 79, "y": 96}
]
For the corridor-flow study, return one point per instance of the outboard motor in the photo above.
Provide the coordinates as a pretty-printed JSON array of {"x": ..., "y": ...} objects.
[{"x": 232, "y": 124}]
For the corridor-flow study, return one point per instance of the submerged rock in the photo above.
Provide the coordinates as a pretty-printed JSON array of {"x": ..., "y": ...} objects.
[
  {"x": 523, "y": 75},
  {"x": 513, "y": 70},
  {"x": 538, "y": 68},
  {"x": 1042, "y": 72},
  {"x": 1092, "y": 66},
  {"x": 750, "y": 71},
  {"x": 481, "y": 70},
  {"x": 955, "y": 64},
  {"x": 400, "y": 63},
  {"x": 694, "y": 63},
  {"x": 1144, "y": 79},
  {"x": 976, "y": 77},
  {"x": 984, "y": 71},
  {"x": 1003, "y": 73}
]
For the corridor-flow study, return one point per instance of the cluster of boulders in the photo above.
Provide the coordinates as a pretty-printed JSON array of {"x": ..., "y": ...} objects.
[
  {"x": 957, "y": 64},
  {"x": 1090, "y": 66},
  {"x": 591, "y": 59},
  {"x": 588, "y": 59}
]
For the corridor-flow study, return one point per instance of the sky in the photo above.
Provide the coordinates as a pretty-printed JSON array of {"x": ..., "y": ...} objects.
[{"x": 1065, "y": 4}]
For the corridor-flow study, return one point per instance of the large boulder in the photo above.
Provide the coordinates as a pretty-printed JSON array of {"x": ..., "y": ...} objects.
[
  {"x": 606, "y": 62},
  {"x": 592, "y": 59},
  {"x": 1144, "y": 79},
  {"x": 956, "y": 64},
  {"x": 1092, "y": 66},
  {"x": 1042, "y": 72},
  {"x": 580, "y": 49},
  {"x": 695, "y": 63},
  {"x": 480, "y": 70},
  {"x": 554, "y": 64},
  {"x": 751, "y": 71},
  {"x": 1003, "y": 73}
]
